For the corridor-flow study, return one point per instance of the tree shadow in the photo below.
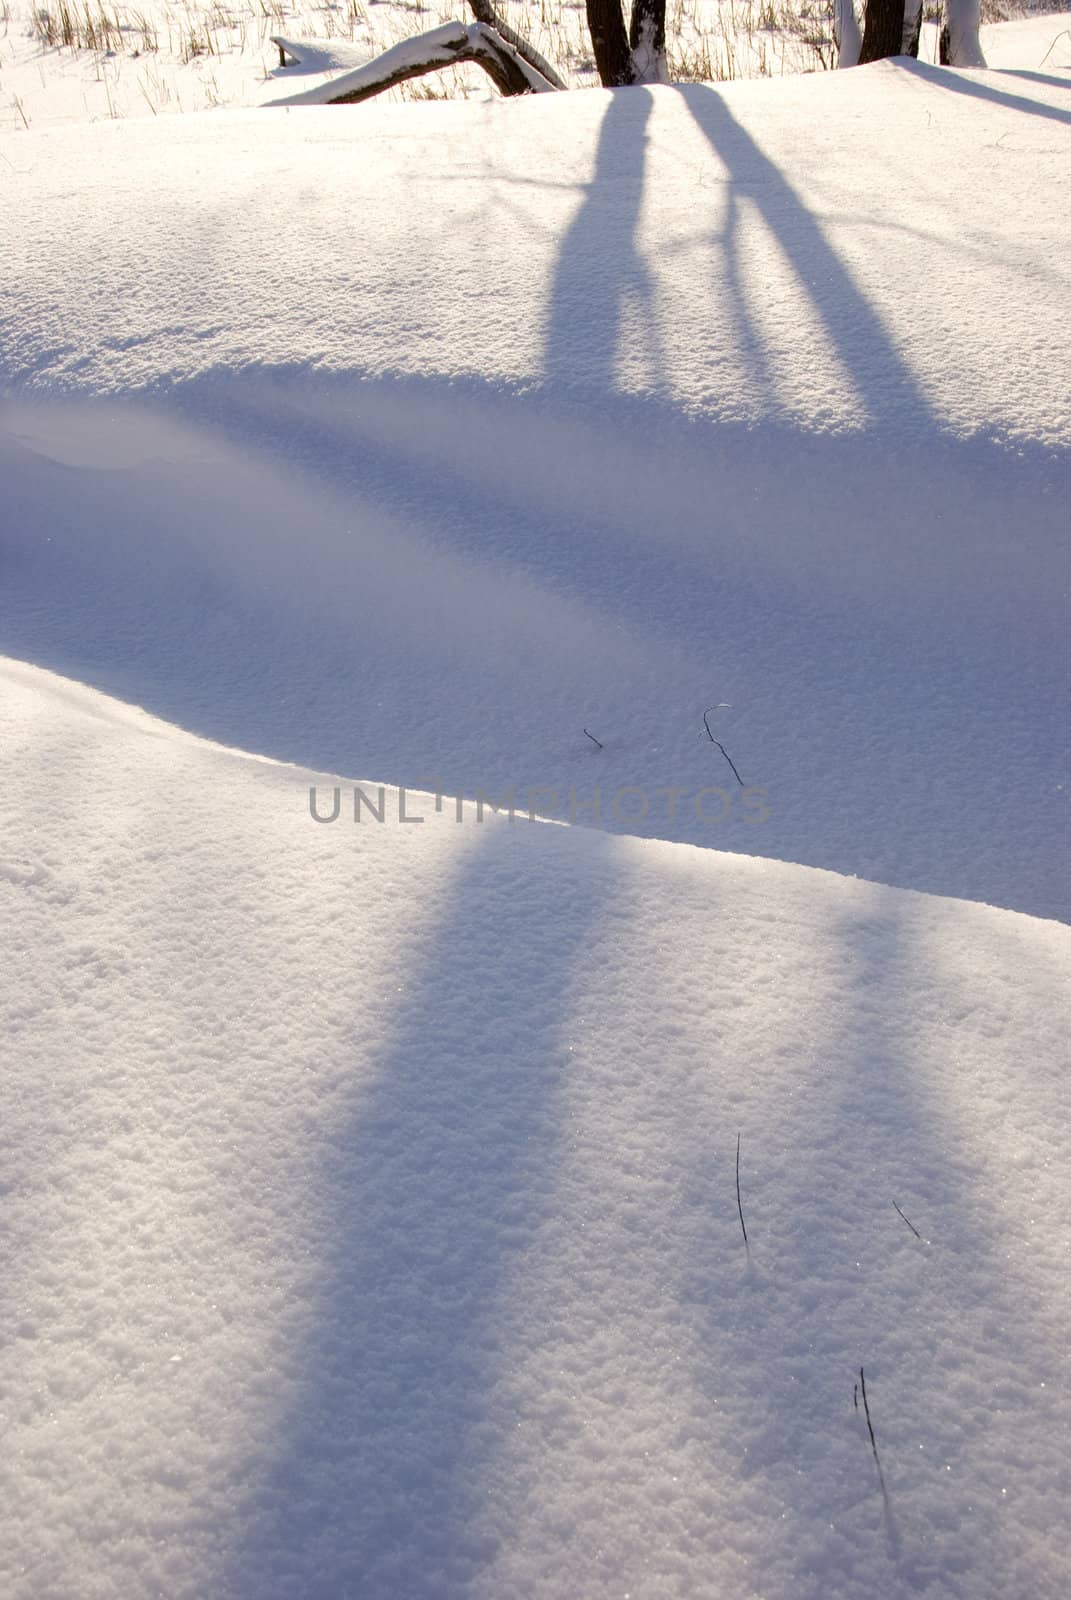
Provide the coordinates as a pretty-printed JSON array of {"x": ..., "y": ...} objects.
[
  {"x": 382, "y": 1479},
  {"x": 1048, "y": 78},
  {"x": 885, "y": 381},
  {"x": 948, "y": 78},
  {"x": 420, "y": 578},
  {"x": 600, "y": 275},
  {"x": 940, "y": 1323}
]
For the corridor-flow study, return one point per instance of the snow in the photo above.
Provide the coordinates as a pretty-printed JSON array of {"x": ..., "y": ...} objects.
[
  {"x": 474, "y": 509},
  {"x": 1030, "y": 43},
  {"x": 368, "y": 1190},
  {"x": 370, "y": 1204},
  {"x": 163, "y": 58}
]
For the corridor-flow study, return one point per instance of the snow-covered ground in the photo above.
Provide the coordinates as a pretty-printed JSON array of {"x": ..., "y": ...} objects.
[
  {"x": 803, "y": 451},
  {"x": 164, "y": 57},
  {"x": 368, "y": 1190},
  {"x": 370, "y": 1214}
]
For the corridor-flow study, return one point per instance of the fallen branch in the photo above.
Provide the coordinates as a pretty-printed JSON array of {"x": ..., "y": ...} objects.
[
  {"x": 427, "y": 52},
  {"x": 485, "y": 12}
]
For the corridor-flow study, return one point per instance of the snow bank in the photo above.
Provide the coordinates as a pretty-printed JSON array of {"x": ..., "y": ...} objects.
[
  {"x": 369, "y": 1188},
  {"x": 370, "y": 1213},
  {"x": 898, "y": 270},
  {"x": 466, "y": 428},
  {"x": 1024, "y": 44}
]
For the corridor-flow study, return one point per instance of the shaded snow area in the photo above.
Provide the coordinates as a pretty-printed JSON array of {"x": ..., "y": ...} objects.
[
  {"x": 410, "y": 444},
  {"x": 370, "y": 1213},
  {"x": 371, "y": 1219}
]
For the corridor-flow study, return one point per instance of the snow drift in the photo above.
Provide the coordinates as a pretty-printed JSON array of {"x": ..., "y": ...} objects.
[
  {"x": 370, "y": 1214},
  {"x": 496, "y": 423},
  {"x": 369, "y": 1188}
]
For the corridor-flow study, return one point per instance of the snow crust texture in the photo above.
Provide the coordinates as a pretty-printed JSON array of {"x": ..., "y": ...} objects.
[
  {"x": 370, "y": 1217},
  {"x": 369, "y": 1206},
  {"x": 749, "y": 275},
  {"x": 416, "y": 440}
]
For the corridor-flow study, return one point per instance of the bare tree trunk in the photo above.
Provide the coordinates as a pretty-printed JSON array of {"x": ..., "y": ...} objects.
[
  {"x": 912, "y": 27},
  {"x": 883, "y": 30},
  {"x": 647, "y": 41},
  {"x": 960, "y": 45},
  {"x": 846, "y": 34},
  {"x": 609, "y": 41}
]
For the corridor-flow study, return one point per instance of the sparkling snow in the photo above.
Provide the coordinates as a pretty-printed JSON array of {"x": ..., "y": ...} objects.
[
  {"x": 368, "y": 1189},
  {"x": 433, "y": 499},
  {"x": 370, "y": 1215}
]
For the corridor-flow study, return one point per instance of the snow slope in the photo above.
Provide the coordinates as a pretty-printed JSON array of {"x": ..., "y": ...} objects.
[
  {"x": 377, "y": 476},
  {"x": 370, "y": 1215},
  {"x": 368, "y": 1190},
  {"x": 1030, "y": 43}
]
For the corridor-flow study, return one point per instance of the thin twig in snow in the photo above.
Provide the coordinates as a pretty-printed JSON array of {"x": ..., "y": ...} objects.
[
  {"x": 910, "y": 1224},
  {"x": 870, "y": 1429},
  {"x": 1055, "y": 42},
  {"x": 739, "y": 1206},
  {"x": 721, "y": 747},
  {"x": 593, "y": 739}
]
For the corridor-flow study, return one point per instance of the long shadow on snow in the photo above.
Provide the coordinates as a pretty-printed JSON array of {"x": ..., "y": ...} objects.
[
  {"x": 849, "y": 319},
  {"x": 554, "y": 564},
  {"x": 836, "y": 1280},
  {"x": 383, "y": 1484},
  {"x": 601, "y": 279},
  {"x": 983, "y": 89},
  {"x": 1048, "y": 78}
]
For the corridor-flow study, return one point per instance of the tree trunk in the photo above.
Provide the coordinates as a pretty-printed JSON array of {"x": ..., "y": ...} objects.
[
  {"x": 647, "y": 41},
  {"x": 960, "y": 45},
  {"x": 912, "y": 27},
  {"x": 846, "y": 34},
  {"x": 883, "y": 30},
  {"x": 609, "y": 41}
]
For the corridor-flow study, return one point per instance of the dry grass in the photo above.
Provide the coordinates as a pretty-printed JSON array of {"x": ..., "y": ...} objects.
[
  {"x": 706, "y": 41},
  {"x": 74, "y": 27}
]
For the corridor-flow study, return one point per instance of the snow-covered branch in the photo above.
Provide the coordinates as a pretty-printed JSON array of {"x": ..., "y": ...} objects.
[
  {"x": 485, "y": 12},
  {"x": 424, "y": 53}
]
